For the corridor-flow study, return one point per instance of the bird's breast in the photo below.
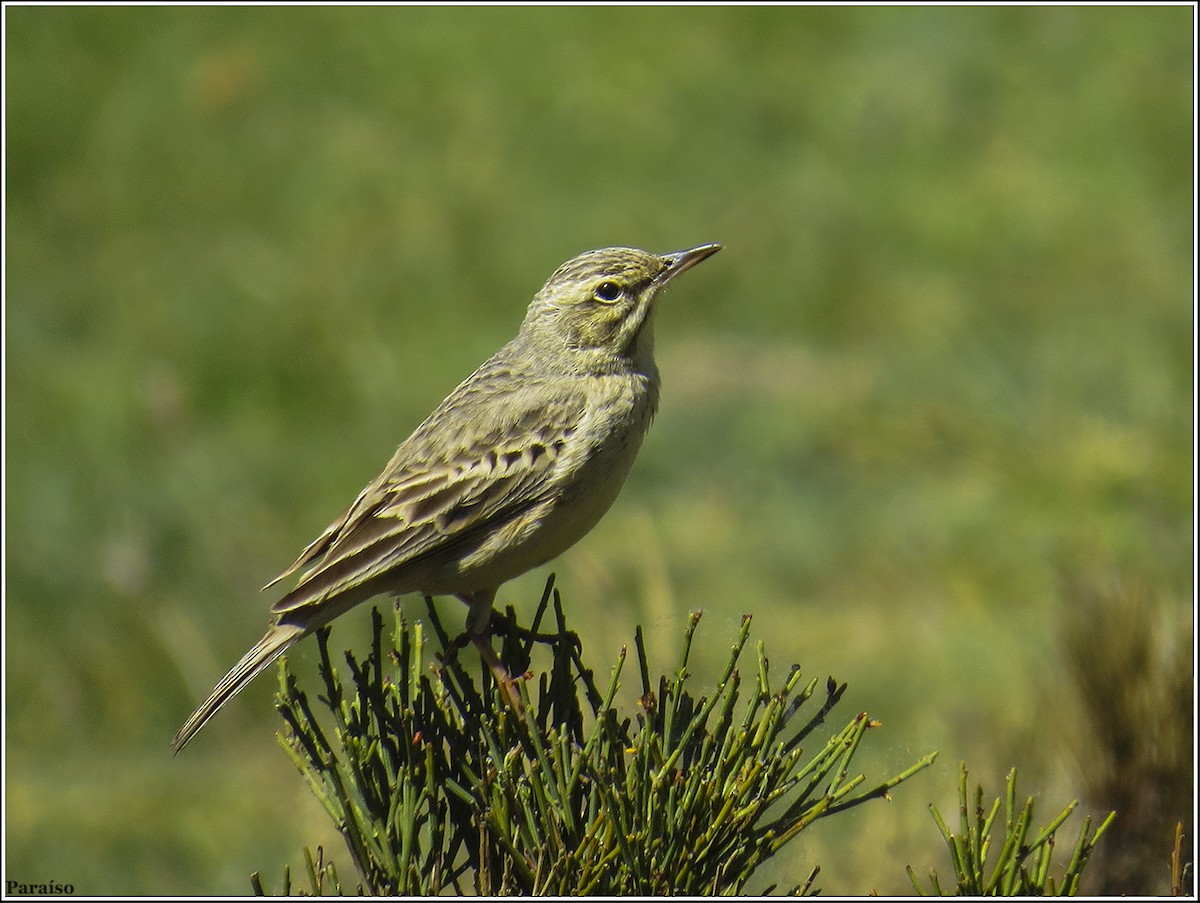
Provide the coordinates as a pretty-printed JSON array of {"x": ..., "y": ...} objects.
[
  {"x": 589, "y": 474},
  {"x": 602, "y": 451}
]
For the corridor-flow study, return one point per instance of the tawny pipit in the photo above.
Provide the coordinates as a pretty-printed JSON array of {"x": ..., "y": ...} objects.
[{"x": 514, "y": 467}]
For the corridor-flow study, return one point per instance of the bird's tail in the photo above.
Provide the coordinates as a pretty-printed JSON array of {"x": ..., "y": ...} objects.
[{"x": 260, "y": 656}]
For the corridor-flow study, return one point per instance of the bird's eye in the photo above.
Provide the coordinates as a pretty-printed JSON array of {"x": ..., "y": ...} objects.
[{"x": 608, "y": 292}]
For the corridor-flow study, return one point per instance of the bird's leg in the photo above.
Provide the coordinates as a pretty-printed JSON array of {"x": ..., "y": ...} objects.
[{"x": 479, "y": 623}]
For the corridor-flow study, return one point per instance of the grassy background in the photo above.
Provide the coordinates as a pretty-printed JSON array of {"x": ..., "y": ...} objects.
[{"x": 945, "y": 357}]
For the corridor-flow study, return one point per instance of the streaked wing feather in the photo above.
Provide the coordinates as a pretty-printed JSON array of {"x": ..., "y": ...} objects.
[
  {"x": 434, "y": 495},
  {"x": 321, "y": 544}
]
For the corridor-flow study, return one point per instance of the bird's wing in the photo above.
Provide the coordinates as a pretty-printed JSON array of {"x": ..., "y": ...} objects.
[{"x": 476, "y": 463}]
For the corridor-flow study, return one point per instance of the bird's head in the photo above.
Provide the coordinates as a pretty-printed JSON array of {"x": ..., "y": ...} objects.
[{"x": 598, "y": 307}]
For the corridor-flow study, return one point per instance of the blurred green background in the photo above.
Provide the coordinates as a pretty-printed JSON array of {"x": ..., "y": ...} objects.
[{"x": 944, "y": 359}]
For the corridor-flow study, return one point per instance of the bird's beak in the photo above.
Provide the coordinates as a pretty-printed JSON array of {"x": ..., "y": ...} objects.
[{"x": 678, "y": 261}]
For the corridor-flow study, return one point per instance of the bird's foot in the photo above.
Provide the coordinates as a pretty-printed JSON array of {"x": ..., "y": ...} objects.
[
  {"x": 506, "y": 682},
  {"x": 501, "y": 625}
]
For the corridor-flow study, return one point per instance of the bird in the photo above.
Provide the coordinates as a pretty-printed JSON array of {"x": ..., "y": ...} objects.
[{"x": 515, "y": 466}]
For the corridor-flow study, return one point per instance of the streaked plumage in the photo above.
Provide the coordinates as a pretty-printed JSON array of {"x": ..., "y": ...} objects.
[{"x": 511, "y": 469}]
